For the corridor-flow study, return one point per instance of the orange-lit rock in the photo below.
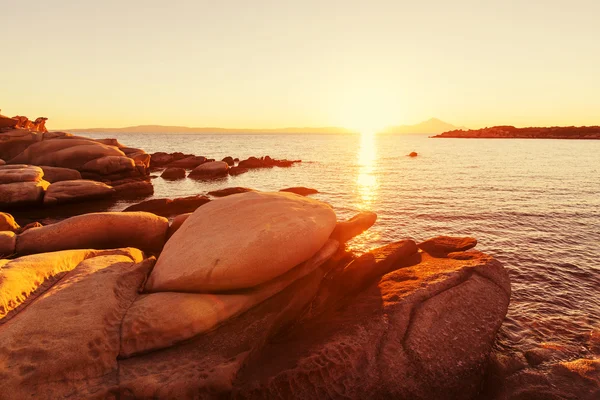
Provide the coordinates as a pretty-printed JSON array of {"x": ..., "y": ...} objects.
[
  {"x": 229, "y": 191},
  {"x": 447, "y": 244},
  {"x": 209, "y": 170},
  {"x": 159, "y": 320},
  {"x": 21, "y": 278},
  {"x": 8, "y": 243},
  {"x": 67, "y": 341},
  {"x": 173, "y": 173},
  {"x": 20, "y": 173},
  {"x": 254, "y": 237},
  {"x": 169, "y": 207},
  {"x": 301, "y": 190},
  {"x": 7, "y": 222},
  {"x": 21, "y": 194},
  {"x": 104, "y": 230},
  {"x": 176, "y": 224},
  {"x": 58, "y": 174},
  {"x": 76, "y": 190},
  {"x": 346, "y": 230}
]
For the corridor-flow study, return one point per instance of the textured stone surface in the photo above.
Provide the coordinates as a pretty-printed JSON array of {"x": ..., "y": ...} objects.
[
  {"x": 8, "y": 243},
  {"x": 22, "y": 193},
  {"x": 69, "y": 337},
  {"x": 22, "y": 277},
  {"x": 160, "y": 320},
  {"x": 103, "y": 230},
  {"x": 241, "y": 241}
]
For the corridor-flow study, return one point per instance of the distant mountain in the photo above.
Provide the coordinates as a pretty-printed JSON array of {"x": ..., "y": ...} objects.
[
  {"x": 431, "y": 126},
  {"x": 185, "y": 129}
]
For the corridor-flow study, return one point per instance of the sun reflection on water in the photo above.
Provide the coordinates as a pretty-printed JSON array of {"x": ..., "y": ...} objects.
[
  {"x": 366, "y": 181},
  {"x": 367, "y": 185}
]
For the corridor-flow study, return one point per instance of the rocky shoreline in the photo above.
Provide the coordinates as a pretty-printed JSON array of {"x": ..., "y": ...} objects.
[
  {"x": 510, "y": 132},
  {"x": 230, "y": 294}
]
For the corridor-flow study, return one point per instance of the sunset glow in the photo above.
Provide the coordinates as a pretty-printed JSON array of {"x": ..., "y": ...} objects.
[{"x": 265, "y": 64}]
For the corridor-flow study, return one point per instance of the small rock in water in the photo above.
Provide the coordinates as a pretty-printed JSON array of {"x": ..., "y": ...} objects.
[
  {"x": 301, "y": 190},
  {"x": 447, "y": 244},
  {"x": 229, "y": 160},
  {"x": 210, "y": 169},
  {"x": 413, "y": 154},
  {"x": 230, "y": 191},
  {"x": 173, "y": 173}
]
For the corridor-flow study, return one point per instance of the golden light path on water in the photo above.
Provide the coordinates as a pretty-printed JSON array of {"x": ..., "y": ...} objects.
[{"x": 367, "y": 186}]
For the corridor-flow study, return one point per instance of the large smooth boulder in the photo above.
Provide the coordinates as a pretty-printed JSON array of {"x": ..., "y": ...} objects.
[
  {"x": 8, "y": 243},
  {"x": 104, "y": 230},
  {"x": 22, "y": 193},
  {"x": 8, "y": 223},
  {"x": 20, "y": 173},
  {"x": 242, "y": 241},
  {"x": 169, "y": 207},
  {"x": 109, "y": 165},
  {"x": 25, "y": 278},
  {"x": 78, "y": 190},
  {"x": 68, "y": 339},
  {"x": 209, "y": 170},
  {"x": 58, "y": 174},
  {"x": 66, "y": 153},
  {"x": 159, "y": 320}
]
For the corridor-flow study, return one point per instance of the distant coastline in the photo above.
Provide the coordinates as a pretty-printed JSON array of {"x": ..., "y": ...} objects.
[{"x": 510, "y": 132}]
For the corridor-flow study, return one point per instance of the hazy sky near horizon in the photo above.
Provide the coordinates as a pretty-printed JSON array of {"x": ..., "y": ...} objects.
[{"x": 357, "y": 64}]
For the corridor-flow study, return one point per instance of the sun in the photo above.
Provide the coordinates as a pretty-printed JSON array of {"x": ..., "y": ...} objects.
[{"x": 367, "y": 115}]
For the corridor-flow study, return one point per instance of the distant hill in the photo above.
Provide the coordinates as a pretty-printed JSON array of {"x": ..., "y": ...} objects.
[
  {"x": 431, "y": 126},
  {"x": 185, "y": 129}
]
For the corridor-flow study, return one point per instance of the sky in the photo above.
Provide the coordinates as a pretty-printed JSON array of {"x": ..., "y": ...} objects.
[{"x": 267, "y": 64}]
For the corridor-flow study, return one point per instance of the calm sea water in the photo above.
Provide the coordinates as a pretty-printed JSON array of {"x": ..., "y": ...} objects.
[{"x": 533, "y": 204}]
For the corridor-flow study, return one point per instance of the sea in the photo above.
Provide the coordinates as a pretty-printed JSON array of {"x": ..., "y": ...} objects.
[{"x": 534, "y": 204}]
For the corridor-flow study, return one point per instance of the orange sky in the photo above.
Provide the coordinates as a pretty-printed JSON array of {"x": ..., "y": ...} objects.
[{"x": 358, "y": 64}]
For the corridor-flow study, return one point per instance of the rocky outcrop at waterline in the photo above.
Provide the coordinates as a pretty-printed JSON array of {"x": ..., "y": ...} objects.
[
  {"x": 510, "y": 132},
  {"x": 289, "y": 314}
]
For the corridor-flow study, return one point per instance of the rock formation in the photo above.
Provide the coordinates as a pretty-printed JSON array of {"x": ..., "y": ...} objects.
[
  {"x": 296, "y": 229},
  {"x": 301, "y": 190},
  {"x": 170, "y": 207}
]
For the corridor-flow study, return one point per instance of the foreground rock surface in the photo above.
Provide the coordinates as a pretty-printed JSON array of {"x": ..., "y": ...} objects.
[
  {"x": 270, "y": 232},
  {"x": 405, "y": 325}
]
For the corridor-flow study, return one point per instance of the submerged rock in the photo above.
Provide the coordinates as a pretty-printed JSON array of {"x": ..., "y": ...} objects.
[
  {"x": 188, "y": 162},
  {"x": 301, "y": 190},
  {"x": 102, "y": 230},
  {"x": 254, "y": 238},
  {"x": 413, "y": 154}
]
